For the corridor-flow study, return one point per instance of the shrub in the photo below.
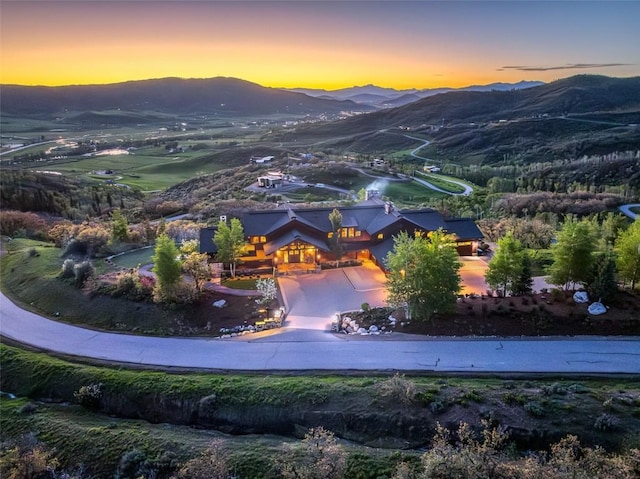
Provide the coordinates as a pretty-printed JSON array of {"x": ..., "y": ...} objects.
[
  {"x": 605, "y": 422},
  {"x": 82, "y": 272},
  {"x": 68, "y": 269},
  {"x": 397, "y": 388},
  {"x": 513, "y": 398},
  {"x": 89, "y": 396},
  {"x": 20, "y": 223},
  {"x": 534, "y": 409},
  {"x": 365, "y": 307},
  {"x": 268, "y": 288},
  {"x": 557, "y": 294}
]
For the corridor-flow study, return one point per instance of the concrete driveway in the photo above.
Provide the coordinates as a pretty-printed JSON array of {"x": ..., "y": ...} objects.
[
  {"x": 472, "y": 273},
  {"x": 311, "y": 300}
]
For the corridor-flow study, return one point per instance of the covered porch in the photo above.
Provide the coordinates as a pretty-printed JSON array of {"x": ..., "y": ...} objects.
[{"x": 296, "y": 252}]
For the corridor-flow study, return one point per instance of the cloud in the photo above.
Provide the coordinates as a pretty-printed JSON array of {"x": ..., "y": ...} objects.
[{"x": 568, "y": 66}]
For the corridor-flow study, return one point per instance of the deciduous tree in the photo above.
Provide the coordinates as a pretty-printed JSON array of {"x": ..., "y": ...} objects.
[
  {"x": 424, "y": 274},
  {"x": 507, "y": 265},
  {"x": 229, "y": 240},
  {"x": 627, "y": 249},
  {"x": 119, "y": 226},
  {"x": 573, "y": 254},
  {"x": 196, "y": 265}
]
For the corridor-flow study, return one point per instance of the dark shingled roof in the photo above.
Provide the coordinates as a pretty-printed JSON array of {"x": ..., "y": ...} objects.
[
  {"x": 206, "y": 240},
  {"x": 463, "y": 228},
  {"x": 380, "y": 250},
  {"x": 428, "y": 220},
  {"x": 372, "y": 218}
]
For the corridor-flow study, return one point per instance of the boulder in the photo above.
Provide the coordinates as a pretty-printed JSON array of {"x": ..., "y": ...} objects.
[
  {"x": 596, "y": 309},
  {"x": 580, "y": 297}
]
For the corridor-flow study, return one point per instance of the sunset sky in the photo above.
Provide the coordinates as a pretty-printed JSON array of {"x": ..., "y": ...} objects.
[{"x": 324, "y": 44}]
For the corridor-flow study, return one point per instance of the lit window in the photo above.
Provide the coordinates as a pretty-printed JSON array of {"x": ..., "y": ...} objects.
[
  {"x": 358, "y": 234},
  {"x": 330, "y": 234},
  {"x": 263, "y": 239},
  {"x": 380, "y": 236}
]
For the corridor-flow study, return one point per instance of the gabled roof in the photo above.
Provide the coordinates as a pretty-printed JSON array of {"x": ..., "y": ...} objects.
[
  {"x": 289, "y": 238},
  {"x": 428, "y": 220},
  {"x": 463, "y": 228},
  {"x": 380, "y": 250},
  {"x": 371, "y": 218}
]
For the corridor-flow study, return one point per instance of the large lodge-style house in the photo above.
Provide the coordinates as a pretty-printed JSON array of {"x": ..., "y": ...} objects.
[{"x": 288, "y": 239}]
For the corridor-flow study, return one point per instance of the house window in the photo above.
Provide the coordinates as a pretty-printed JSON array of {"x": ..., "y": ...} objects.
[
  {"x": 347, "y": 232},
  {"x": 258, "y": 239},
  {"x": 358, "y": 233},
  {"x": 330, "y": 234},
  {"x": 380, "y": 236}
]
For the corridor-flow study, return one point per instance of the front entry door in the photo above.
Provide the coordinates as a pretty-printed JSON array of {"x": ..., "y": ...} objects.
[{"x": 294, "y": 257}]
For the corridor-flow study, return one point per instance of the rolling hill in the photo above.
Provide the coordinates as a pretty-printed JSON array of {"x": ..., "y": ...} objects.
[
  {"x": 220, "y": 95},
  {"x": 569, "y": 118},
  {"x": 576, "y": 95}
]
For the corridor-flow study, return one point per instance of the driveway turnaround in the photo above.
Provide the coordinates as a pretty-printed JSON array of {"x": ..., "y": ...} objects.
[
  {"x": 326, "y": 352},
  {"x": 312, "y": 300}
]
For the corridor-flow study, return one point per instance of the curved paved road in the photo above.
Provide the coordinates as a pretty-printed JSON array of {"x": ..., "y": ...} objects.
[
  {"x": 285, "y": 350},
  {"x": 626, "y": 209},
  {"x": 467, "y": 189}
]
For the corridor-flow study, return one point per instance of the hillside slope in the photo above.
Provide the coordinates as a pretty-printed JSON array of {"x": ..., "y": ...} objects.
[{"x": 170, "y": 95}]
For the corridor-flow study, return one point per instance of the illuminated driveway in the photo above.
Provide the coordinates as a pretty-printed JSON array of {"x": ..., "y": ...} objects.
[
  {"x": 312, "y": 300},
  {"x": 473, "y": 270}
]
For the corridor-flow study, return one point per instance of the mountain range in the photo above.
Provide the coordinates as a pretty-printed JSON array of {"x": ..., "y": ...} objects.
[
  {"x": 389, "y": 97},
  {"x": 233, "y": 97},
  {"x": 220, "y": 95}
]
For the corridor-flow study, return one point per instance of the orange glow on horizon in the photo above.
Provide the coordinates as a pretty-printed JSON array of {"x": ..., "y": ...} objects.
[{"x": 321, "y": 44}]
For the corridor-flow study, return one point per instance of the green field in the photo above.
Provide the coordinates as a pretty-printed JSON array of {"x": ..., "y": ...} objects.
[{"x": 410, "y": 193}]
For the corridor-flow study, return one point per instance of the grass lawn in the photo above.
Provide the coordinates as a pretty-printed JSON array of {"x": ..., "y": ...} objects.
[
  {"x": 442, "y": 183},
  {"x": 412, "y": 193},
  {"x": 147, "y": 172},
  {"x": 238, "y": 283},
  {"x": 131, "y": 259}
]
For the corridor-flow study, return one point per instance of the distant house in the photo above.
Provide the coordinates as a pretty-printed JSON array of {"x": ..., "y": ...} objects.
[
  {"x": 377, "y": 163},
  {"x": 291, "y": 236},
  {"x": 261, "y": 160},
  {"x": 270, "y": 181}
]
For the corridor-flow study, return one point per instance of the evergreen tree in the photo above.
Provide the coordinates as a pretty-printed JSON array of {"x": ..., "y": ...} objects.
[
  {"x": 166, "y": 265},
  {"x": 335, "y": 218},
  {"x": 602, "y": 285}
]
